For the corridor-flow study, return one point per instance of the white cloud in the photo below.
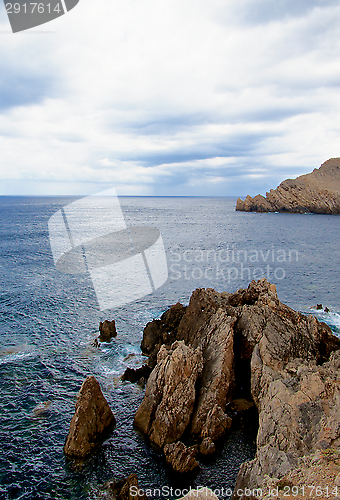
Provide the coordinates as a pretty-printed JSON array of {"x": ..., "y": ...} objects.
[{"x": 170, "y": 97}]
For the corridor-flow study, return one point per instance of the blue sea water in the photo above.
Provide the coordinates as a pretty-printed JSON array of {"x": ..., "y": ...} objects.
[{"x": 49, "y": 320}]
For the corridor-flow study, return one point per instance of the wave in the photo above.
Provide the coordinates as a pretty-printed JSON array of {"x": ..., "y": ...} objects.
[{"x": 15, "y": 357}]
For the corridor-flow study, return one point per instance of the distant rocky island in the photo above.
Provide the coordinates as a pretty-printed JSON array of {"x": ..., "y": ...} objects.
[{"x": 317, "y": 192}]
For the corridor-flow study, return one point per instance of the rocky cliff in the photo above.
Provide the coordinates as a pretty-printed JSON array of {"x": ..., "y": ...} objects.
[
  {"x": 317, "y": 192},
  {"x": 225, "y": 350}
]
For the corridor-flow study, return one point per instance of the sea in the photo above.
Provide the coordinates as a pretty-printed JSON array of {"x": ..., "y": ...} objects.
[{"x": 49, "y": 322}]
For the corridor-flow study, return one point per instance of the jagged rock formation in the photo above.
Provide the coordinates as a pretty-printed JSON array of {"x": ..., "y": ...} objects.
[
  {"x": 92, "y": 418},
  {"x": 299, "y": 408},
  {"x": 245, "y": 348},
  {"x": 107, "y": 330},
  {"x": 170, "y": 394},
  {"x": 139, "y": 375},
  {"x": 317, "y": 192},
  {"x": 181, "y": 458},
  {"x": 124, "y": 489}
]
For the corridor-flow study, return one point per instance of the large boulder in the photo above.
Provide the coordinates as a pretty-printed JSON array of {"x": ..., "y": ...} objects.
[
  {"x": 216, "y": 383},
  {"x": 92, "y": 419},
  {"x": 107, "y": 330}
]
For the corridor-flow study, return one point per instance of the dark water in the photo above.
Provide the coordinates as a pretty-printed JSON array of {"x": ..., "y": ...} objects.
[{"x": 49, "y": 320}]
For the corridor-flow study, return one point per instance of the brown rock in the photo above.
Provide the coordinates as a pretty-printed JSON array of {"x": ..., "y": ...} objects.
[
  {"x": 124, "y": 489},
  {"x": 241, "y": 404},
  {"x": 317, "y": 192},
  {"x": 216, "y": 382},
  {"x": 216, "y": 424},
  {"x": 170, "y": 394},
  {"x": 180, "y": 457},
  {"x": 107, "y": 330},
  {"x": 161, "y": 331},
  {"x": 207, "y": 447},
  {"x": 257, "y": 349},
  {"x": 299, "y": 414},
  {"x": 92, "y": 418},
  {"x": 136, "y": 374}
]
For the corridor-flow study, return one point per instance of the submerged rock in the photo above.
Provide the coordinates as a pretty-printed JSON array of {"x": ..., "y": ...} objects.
[
  {"x": 317, "y": 192},
  {"x": 92, "y": 418},
  {"x": 107, "y": 330},
  {"x": 42, "y": 408}
]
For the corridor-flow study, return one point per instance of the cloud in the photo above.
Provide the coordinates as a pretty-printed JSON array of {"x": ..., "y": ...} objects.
[{"x": 170, "y": 97}]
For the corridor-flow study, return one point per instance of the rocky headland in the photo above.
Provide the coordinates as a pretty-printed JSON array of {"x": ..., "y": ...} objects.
[
  {"x": 243, "y": 349},
  {"x": 317, "y": 192},
  {"x": 222, "y": 356}
]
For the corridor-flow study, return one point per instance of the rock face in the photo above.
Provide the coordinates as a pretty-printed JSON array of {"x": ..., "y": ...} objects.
[
  {"x": 92, "y": 418},
  {"x": 107, "y": 330},
  {"x": 234, "y": 350},
  {"x": 180, "y": 457},
  {"x": 136, "y": 374},
  {"x": 299, "y": 408},
  {"x": 317, "y": 192},
  {"x": 124, "y": 489},
  {"x": 170, "y": 394}
]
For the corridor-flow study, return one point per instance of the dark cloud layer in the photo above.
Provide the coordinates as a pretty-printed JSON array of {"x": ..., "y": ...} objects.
[
  {"x": 18, "y": 88},
  {"x": 231, "y": 146},
  {"x": 264, "y": 11}
]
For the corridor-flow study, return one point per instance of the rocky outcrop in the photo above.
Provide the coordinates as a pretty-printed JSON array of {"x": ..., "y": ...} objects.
[
  {"x": 124, "y": 489},
  {"x": 92, "y": 419},
  {"x": 170, "y": 394},
  {"x": 299, "y": 407},
  {"x": 161, "y": 331},
  {"x": 207, "y": 447},
  {"x": 317, "y": 192},
  {"x": 107, "y": 330},
  {"x": 245, "y": 348},
  {"x": 134, "y": 375},
  {"x": 181, "y": 458}
]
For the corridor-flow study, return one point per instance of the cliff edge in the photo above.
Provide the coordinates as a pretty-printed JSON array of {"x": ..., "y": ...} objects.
[
  {"x": 247, "y": 348},
  {"x": 317, "y": 192}
]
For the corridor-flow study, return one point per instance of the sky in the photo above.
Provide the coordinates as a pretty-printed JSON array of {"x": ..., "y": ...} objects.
[{"x": 169, "y": 97}]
